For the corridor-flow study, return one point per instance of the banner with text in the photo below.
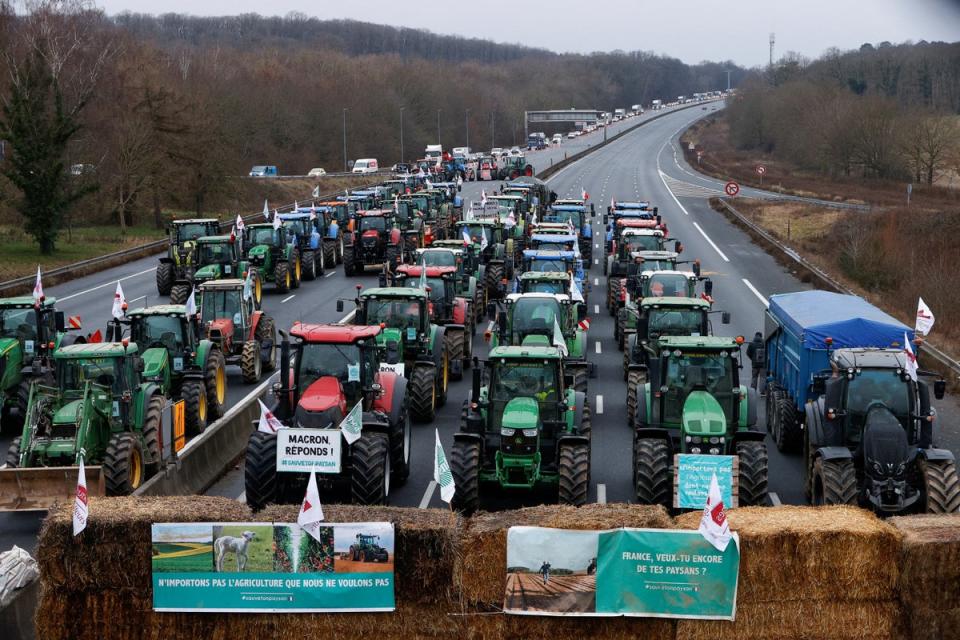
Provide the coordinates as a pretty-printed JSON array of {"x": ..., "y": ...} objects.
[
  {"x": 305, "y": 450},
  {"x": 271, "y": 567},
  {"x": 622, "y": 572},
  {"x": 692, "y": 479}
]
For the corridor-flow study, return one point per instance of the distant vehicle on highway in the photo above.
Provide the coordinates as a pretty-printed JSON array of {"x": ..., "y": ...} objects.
[
  {"x": 515, "y": 151},
  {"x": 462, "y": 152},
  {"x": 82, "y": 169},
  {"x": 573, "y": 134},
  {"x": 497, "y": 152},
  {"x": 557, "y": 138},
  {"x": 317, "y": 172},
  {"x": 264, "y": 171},
  {"x": 366, "y": 165}
]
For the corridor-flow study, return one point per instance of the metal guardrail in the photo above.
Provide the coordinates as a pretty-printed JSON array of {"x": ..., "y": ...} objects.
[{"x": 829, "y": 281}]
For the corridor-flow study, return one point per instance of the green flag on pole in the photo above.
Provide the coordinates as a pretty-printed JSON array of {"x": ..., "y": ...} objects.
[
  {"x": 441, "y": 472},
  {"x": 352, "y": 425}
]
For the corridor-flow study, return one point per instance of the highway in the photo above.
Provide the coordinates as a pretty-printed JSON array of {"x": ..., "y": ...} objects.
[{"x": 644, "y": 164}]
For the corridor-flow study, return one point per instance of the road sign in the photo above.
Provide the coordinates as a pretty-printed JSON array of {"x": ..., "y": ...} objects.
[
  {"x": 732, "y": 188},
  {"x": 761, "y": 169}
]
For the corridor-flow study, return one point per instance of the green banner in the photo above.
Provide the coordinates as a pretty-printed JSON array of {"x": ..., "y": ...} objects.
[
  {"x": 270, "y": 567},
  {"x": 629, "y": 572},
  {"x": 693, "y": 479}
]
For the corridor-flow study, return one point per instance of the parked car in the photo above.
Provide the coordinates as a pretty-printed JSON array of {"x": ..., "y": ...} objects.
[
  {"x": 366, "y": 165},
  {"x": 497, "y": 152},
  {"x": 264, "y": 171},
  {"x": 316, "y": 172}
]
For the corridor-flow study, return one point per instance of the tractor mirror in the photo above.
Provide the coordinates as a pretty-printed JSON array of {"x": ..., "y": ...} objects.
[
  {"x": 696, "y": 268},
  {"x": 393, "y": 352},
  {"x": 339, "y": 306},
  {"x": 606, "y": 219},
  {"x": 581, "y": 312},
  {"x": 725, "y": 317},
  {"x": 642, "y": 326},
  {"x": 459, "y": 187},
  {"x": 593, "y": 210},
  {"x": 819, "y": 386},
  {"x": 708, "y": 286},
  {"x": 609, "y": 209},
  {"x": 656, "y": 210},
  {"x": 138, "y": 364},
  {"x": 277, "y": 389},
  {"x": 58, "y": 320},
  {"x": 679, "y": 247},
  {"x": 939, "y": 388},
  {"x": 381, "y": 279}
]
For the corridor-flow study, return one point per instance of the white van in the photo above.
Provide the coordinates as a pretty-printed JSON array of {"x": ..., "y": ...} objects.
[{"x": 366, "y": 165}]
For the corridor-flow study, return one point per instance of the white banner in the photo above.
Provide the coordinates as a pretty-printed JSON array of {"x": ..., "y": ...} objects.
[{"x": 301, "y": 450}]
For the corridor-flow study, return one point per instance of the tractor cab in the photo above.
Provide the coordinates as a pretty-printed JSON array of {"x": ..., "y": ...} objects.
[
  {"x": 554, "y": 282},
  {"x": 166, "y": 327},
  {"x": 29, "y": 330},
  {"x": 507, "y": 202},
  {"x": 574, "y": 215},
  {"x": 641, "y": 261},
  {"x": 441, "y": 287},
  {"x": 552, "y": 261},
  {"x": 673, "y": 317},
  {"x": 554, "y": 242},
  {"x": 225, "y": 312},
  {"x": 217, "y": 257},
  {"x": 532, "y": 319},
  {"x": 305, "y": 225},
  {"x": 362, "y": 201},
  {"x": 337, "y": 210},
  {"x": 404, "y": 315},
  {"x": 181, "y": 258}
]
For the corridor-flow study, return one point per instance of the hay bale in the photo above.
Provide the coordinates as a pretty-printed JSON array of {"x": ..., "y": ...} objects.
[
  {"x": 806, "y": 553},
  {"x": 114, "y": 550},
  {"x": 801, "y": 621},
  {"x": 497, "y": 626},
  {"x": 921, "y": 623},
  {"x": 426, "y": 544},
  {"x": 929, "y": 560},
  {"x": 482, "y": 570}
]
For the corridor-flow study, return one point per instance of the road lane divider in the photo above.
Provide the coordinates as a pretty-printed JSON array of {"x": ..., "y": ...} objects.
[
  {"x": 752, "y": 288},
  {"x": 428, "y": 494},
  {"x": 712, "y": 244},
  {"x": 599, "y": 404}
]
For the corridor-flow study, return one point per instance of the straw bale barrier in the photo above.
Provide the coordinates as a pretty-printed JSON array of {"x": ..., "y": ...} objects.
[
  {"x": 482, "y": 569},
  {"x": 496, "y": 626},
  {"x": 930, "y": 575},
  {"x": 426, "y": 544},
  {"x": 811, "y": 553}
]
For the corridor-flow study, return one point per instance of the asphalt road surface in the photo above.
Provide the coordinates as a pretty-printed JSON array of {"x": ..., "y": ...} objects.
[{"x": 644, "y": 164}]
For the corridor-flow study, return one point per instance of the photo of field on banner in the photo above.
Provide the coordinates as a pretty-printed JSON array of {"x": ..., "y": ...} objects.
[
  {"x": 271, "y": 567},
  {"x": 621, "y": 572}
]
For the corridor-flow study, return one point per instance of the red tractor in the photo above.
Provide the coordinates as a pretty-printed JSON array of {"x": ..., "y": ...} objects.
[
  {"x": 244, "y": 335},
  {"x": 336, "y": 366},
  {"x": 373, "y": 239},
  {"x": 446, "y": 308}
]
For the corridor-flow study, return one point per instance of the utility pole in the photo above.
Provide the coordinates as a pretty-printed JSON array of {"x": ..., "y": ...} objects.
[
  {"x": 467, "y": 118},
  {"x": 772, "y": 39},
  {"x": 345, "y": 140},
  {"x": 401, "y": 135},
  {"x": 438, "y": 126},
  {"x": 493, "y": 130},
  {"x": 728, "y": 79}
]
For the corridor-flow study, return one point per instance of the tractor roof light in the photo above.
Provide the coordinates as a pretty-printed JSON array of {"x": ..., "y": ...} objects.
[
  {"x": 828, "y": 341},
  {"x": 739, "y": 340}
]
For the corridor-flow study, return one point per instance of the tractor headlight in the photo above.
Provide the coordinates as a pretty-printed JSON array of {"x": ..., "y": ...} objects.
[
  {"x": 507, "y": 432},
  {"x": 530, "y": 433},
  {"x": 697, "y": 439},
  {"x": 714, "y": 451},
  {"x": 694, "y": 449},
  {"x": 714, "y": 440}
]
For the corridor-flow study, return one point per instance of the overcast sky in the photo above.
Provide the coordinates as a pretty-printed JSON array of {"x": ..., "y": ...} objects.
[{"x": 692, "y": 30}]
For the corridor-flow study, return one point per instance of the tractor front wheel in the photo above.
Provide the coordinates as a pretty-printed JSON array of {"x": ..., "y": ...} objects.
[
  {"x": 634, "y": 379},
  {"x": 215, "y": 381},
  {"x": 941, "y": 487},
  {"x": 195, "y": 403},
  {"x": 164, "y": 278},
  {"x": 296, "y": 271},
  {"x": 348, "y": 262},
  {"x": 465, "y": 468},
  {"x": 834, "y": 482},
  {"x": 787, "y": 433},
  {"x": 13, "y": 454},
  {"x": 123, "y": 467},
  {"x": 151, "y": 433},
  {"x": 401, "y": 443},
  {"x": 267, "y": 333},
  {"x": 422, "y": 388},
  {"x": 456, "y": 352},
  {"x": 250, "y": 364},
  {"x": 651, "y": 472},
  {"x": 574, "y": 471},
  {"x": 753, "y": 473},
  {"x": 309, "y": 265},
  {"x": 581, "y": 377},
  {"x": 179, "y": 293},
  {"x": 370, "y": 480},
  {"x": 330, "y": 253},
  {"x": 260, "y": 470},
  {"x": 282, "y": 277}
]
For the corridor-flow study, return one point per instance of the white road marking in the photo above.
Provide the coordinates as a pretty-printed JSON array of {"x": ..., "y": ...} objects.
[
  {"x": 596, "y": 308},
  {"x": 596, "y": 261},
  {"x": 755, "y": 292},
  {"x": 104, "y": 285},
  {"x": 288, "y": 298},
  {"x": 599, "y": 404},
  {"x": 774, "y": 499},
  {"x": 329, "y": 274},
  {"x": 715, "y": 247},
  {"x": 428, "y": 494},
  {"x": 682, "y": 208},
  {"x": 129, "y": 302},
  {"x": 596, "y": 282},
  {"x": 598, "y": 346},
  {"x": 601, "y": 494}
]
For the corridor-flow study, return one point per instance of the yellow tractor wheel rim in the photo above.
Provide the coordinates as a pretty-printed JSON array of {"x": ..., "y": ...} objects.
[
  {"x": 286, "y": 280},
  {"x": 221, "y": 385},
  {"x": 202, "y": 406},
  {"x": 258, "y": 289},
  {"x": 446, "y": 371},
  {"x": 297, "y": 268},
  {"x": 136, "y": 468}
]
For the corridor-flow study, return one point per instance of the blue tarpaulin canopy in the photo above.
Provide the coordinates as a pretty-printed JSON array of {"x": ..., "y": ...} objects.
[{"x": 850, "y": 321}]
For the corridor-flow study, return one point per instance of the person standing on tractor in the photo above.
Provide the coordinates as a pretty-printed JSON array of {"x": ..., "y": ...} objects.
[
  {"x": 545, "y": 572},
  {"x": 755, "y": 353}
]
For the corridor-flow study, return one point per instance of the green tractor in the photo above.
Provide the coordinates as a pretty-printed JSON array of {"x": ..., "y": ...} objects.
[
  {"x": 102, "y": 409},
  {"x": 272, "y": 253},
  {"x": 525, "y": 429},
  {"x": 529, "y": 319},
  {"x": 692, "y": 402},
  {"x": 216, "y": 257},
  {"x": 243, "y": 334},
  {"x": 622, "y": 257},
  {"x": 193, "y": 369},
  {"x": 181, "y": 259},
  {"x": 410, "y": 344},
  {"x": 654, "y": 284},
  {"x": 429, "y": 207},
  {"x": 29, "y": 334},
  {"x": 367, "y": 549},
  {"x": 494, "y": 244}
]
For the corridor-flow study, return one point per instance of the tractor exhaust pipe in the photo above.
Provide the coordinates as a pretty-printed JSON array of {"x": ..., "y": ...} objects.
[
  {"x": 283, "y": 398},
  {"x": 477, "y": 373}
]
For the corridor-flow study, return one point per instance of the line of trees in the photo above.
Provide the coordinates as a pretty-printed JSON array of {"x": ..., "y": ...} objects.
[{"x": 162, "y": 111}]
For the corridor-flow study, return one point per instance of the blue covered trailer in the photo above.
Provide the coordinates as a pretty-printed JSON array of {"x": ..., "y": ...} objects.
[{"x": 800, "y": 330}]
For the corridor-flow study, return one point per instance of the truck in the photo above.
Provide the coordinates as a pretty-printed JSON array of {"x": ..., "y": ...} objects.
[
  {"x": 840, "y": 388},
  {"x": 619, "y": 113},
  {"x": 636, "y": 109},
  {"x": 656, "y": 105}
]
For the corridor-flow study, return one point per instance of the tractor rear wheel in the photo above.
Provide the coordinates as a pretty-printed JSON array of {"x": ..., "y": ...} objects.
[
  {"x": 330, "y": 253},
  {"x": 260, "y": 470},
  {"x": 581, "y": 377},
  {"x": 164, "y": 278},
  {"x": 296, "y": 270},
  {"x": 635, "y": 378},
  {"x": 179, "y": 293},
  {"x": 465, "y": 468},
  {"x": 267, "y": 331},
  {"x": 422, "y": 388},
  {"x": 195, "y": 404},
  {"x": 753, "y": 473},
  {"x": 215, "y": 382},
  {"x": 401, "y": 442},
  {"x": 16, "y": 411},
  {"x": 282, "y": 277},
  {"x": 123, "y": 467},
  {"x": 443, "y": 378},
  {"x": 613, "y": 294},
  {"x": 456, "y": 353},
  {"x": 309, "y": 265},
  {"x": 370, "y": 480},
  {"x": 941, "y": 486},
  {"x": 348, "y": 266},
  {"x": 574, "y": 471},
  {"x": 13, "y": 454},
  {"x": 151, "y": 433},
  {"x": 787, "y": 432},
  {"x": 493, "y": 278},
  {"x": 626, "y": 359},
  {"x": 250, "y": 364},
  {"x": 834, "y": 482},
  {"x": 651, "y": 472}
]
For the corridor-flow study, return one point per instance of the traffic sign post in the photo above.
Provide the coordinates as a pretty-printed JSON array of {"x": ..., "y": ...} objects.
[
  {"x": 731, "y": 188},
  {"x": 761, "y": 170}
]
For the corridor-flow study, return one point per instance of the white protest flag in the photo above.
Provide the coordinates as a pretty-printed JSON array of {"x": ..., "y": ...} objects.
[
  {"x": 313, "y": 211},
  {"x": 352, "y": 426},
  {"x": 311, "y": 512},
  {"x": 911, "y": 357},
  {"x": 925, "y": 318},
  {"x": 511, "y": 221},
  {"x": 276, "y": 219},
  {"x": 119, "y": 302},
  {"x": 316, "y": 191},
  {"x": 269, "y": 423},
  {"x": 239, "y": 224},
  {"x": 713, "y": 524},
  {"x": 38, "y": 287},
  {"x": 483, "y": 197},
  {"x": 483, "y": 240},
  {"x": 558, "y": 340},
  {"x": 191, "y": 303},
  {"x": 466, "y": 236},
  {"x": 441, "y": 472},
  {"x": 583, "y": 194},
  {"x": 81, "y": 504},
  {"x": 266, "y": 211},
  {"x": 248, "y": 286},
  {"x": 296, "y": 206},
  {"x": 575, "y": 292},
  {"x": 423, "y": 275}
]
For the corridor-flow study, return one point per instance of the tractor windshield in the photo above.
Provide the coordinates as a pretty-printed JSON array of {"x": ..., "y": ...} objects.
[
  {"x": 261, "y": 235},
  {"x": 152, "y": 331},
  {"x": 348, "y": 363},
  {"x": 73, "y": 374},
  {"x": 871, "y": 386},
  {"x": 302, "y": 227},
  {"x": 642, "y": 243},
  {"x": 394, "y": 312},
  {"x": 555, "y": 246},
  {"x": 674, "y": 322},
  {"x": 524, "y": 379},
  {"x": 544, "y": 286},
  {"x": 375, "y": 223},
  {"x": 689, "y": 371},
  {"x": 216, "y": 253},
  {"x": 437, "y": 287},
  {"x": 477, "y": 232},
  {"x": 576, "y": 217},
  {"x": 668, "y": 284},
  {"x": 191, "y": 231},
  {"x": 658, "y": 265},
  {"x": 420, "y": 203},
  {"x": 218, "y": 304},
  {"x": 18, "y": 323},
  {"x": 535, "y": 316},
  {"x": 543, "y": 264},
  {"x": 439, "y": 258}
]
